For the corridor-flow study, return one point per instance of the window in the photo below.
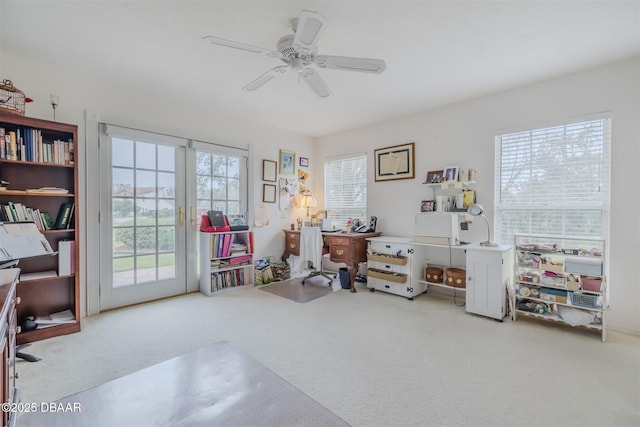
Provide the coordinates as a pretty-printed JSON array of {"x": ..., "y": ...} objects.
[
  {"x": 219, "y": 183},
  {"x": 554, "y": 181},
  {"x": 345, "y": 189}
]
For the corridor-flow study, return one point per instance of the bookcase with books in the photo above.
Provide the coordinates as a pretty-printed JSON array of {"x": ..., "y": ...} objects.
[
  {"x": 226, "y": 260},
  {"x": 39, "y": 176}
]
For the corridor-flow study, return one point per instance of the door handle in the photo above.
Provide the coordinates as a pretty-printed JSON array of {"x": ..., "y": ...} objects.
[
  {"x": 193, "y": 216},
  {"x": 181, "y": 216}
]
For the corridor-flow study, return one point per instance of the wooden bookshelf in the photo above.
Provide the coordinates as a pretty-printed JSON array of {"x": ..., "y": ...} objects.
[{"x": 43, "y": 296}]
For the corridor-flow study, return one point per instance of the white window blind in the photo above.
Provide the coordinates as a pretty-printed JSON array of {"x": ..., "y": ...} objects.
[
  {"x": 345, "y": 189},
  {"x": 554, "y": 181}
]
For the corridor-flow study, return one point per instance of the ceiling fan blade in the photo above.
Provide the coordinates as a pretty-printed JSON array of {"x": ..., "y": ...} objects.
[
  {"x": 266, "y": 77},
  {"x": 365, "y": 65},
  {"x": 242, "y": 46},
  {"x": 310, "y": 28},
  {"x": 315, "y": 82}
]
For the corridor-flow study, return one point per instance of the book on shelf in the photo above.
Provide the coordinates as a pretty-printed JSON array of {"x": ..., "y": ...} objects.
[
  {"x": 58, "y": 318},
  {"x": 48, "y": 190},
  {"x": 17, "y": 212},
  {"x": 63, "y": 220},
  {"x": 25, "y": 277},
  {"x": 66, "y": 257}
]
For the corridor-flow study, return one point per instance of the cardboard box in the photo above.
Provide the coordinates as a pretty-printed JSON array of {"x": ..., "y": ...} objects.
[{"x": 553, "y": 295}]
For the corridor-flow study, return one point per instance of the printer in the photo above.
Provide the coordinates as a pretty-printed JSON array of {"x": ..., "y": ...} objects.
[{"x": 438, "y": 228}]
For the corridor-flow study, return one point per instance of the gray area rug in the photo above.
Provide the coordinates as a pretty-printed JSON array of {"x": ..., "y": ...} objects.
[
  {"x": 294, "y": 290},
  {"x": 217, "y": 385}
]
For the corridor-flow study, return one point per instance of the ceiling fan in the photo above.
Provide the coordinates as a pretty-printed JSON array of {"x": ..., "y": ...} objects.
[{"x": 299, "y": 51}]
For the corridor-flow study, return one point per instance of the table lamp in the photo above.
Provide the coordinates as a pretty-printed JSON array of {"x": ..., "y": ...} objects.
[
  {"x": 308, "y": 201},
  {"x": 478, "y": 210}
]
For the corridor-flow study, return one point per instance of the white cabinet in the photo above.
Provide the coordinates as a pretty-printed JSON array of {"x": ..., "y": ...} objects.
[
  {"x": 489, "y": 272},
  {"x": 561, "y": 280},
  {"x": 389, "y": 261},
  {"x": 226, "y": 260},
  {"x": 399, "y": 266}
]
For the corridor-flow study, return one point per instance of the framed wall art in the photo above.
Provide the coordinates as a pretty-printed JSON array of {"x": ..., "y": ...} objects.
[
  {"x": 434, "y": 177},
  {"x": 304, "y": 162},
  {"x": 396, "y": 162},
  {"x": 287, "y": 162},
  {"x": 269, "y": 170},
  {"x": 268, "y": 193},
  {"x": 451, "y": 173}
]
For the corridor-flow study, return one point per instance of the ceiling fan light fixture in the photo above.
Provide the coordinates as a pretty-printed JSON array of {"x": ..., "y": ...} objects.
[
  {"x": 315, "y": 82},
  {"x": 298, "y": 51},
  {"x": 308, "y": 30}
]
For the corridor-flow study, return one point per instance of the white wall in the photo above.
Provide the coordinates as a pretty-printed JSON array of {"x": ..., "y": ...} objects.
[
  {"x": 127, "y": 106},
  {"x": 463, "y": 134}
]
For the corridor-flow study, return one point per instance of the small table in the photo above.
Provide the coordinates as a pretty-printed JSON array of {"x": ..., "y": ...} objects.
[{"x": 349, "y": 248}]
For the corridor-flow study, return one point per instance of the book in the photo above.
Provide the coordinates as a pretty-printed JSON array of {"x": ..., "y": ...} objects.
[
  {"x": 64, "y": 216},
  {"x": 53, "y": 190},
  {"x": 66, "y": 257},
  {"x": 24, "y": 277},
  {"x": 58, "y": 318},
  {"x": 47, "y": 220}
]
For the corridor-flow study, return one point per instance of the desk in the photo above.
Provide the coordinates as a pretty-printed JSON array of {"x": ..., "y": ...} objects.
[{"x": 349, "y": 248}]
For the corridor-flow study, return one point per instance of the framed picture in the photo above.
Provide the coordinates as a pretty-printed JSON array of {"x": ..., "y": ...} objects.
[
  {"x": 451, "y": 173},
  {"x": 269, "y": 170},
  {"x": 434, "y": 177},
  {"x": 396, "y": 162},
  {"x": 427, "y": 206},
  {"x": 304, "y": 162},
  {"x": 287, "y": 162},
  {"x": 268, "y": 193}
]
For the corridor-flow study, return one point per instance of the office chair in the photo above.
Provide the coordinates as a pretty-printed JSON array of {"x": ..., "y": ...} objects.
[{"x": 311, "y": 245}]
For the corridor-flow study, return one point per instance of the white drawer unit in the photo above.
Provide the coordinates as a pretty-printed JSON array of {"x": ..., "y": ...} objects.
[{"x": 389, "y": 267}]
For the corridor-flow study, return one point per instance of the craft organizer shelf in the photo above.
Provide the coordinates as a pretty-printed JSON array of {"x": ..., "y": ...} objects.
[{"x": 561, "y": 280}]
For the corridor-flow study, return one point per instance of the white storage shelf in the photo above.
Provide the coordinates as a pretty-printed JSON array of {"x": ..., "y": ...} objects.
[
  {"x": 389, "y": 261},
  {"x": 552, "y": 272},
  {"x": 226, "y": 261}
]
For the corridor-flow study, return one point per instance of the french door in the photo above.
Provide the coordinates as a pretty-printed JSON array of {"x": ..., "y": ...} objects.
[
  {"x": 142, "y": 217},
  {"x": 155, "y": 189}
]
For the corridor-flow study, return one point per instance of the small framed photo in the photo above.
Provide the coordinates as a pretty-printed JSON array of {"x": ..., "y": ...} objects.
[
  {"x": 434, "y": 177},
  {"x": 287, "y": 162},
  {"x": 451, "y": 173},
  {"x": 304, "y": 162},
  {"x": 427, "y": 206},
  {"x": 268, "y": 193},
  {"x": 269, "y": 170}
]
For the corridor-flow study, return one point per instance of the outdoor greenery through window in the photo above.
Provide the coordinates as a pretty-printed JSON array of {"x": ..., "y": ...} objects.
[
  {"x": 218, "y": 183},
  {"x": 554, "y": 181},
  {"x": 345, "y": 189}
]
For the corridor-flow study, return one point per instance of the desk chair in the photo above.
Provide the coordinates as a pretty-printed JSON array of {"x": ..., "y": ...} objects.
[{"x": 311, "y": 245}]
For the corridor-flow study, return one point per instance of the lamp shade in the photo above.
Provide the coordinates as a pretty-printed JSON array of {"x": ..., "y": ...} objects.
[
  {"x": 475, "y": 210},
  {"x": 308, "y": 201},
  {"x": 478, "y": 210}
]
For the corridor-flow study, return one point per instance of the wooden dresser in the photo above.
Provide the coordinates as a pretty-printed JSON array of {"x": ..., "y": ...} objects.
[
  {"x": 8, "y": 325},
  {"x": 349, "y": 248}
]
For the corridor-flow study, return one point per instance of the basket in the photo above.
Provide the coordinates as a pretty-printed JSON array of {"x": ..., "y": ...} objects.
[
  {"x": 434, "y": 274},
  {"x": 593, "y": 284},
  {"x": 456, "y": 277},
  {"x": 584, "y": 300},
  {"x": 11, "y": 99}
]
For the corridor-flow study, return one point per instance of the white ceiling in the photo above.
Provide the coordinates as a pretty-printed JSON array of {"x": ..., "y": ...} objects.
[{"x": 437, "y": 52}]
